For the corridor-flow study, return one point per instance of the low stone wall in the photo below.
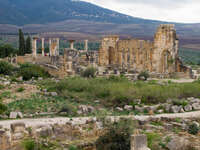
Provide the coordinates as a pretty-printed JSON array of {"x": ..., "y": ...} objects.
[{"x": 11, "y": 138}]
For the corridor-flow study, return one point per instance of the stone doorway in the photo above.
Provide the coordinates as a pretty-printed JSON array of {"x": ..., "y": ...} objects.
[
  {"x": 166, "y": 57},
  {"x": 111, "y": 55}
]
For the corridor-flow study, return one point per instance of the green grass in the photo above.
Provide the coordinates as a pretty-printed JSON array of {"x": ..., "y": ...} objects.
[
  {"x": 153, "y": 140},
  {"x": 21, "y": 89},
  {"x": 120, "y": 92}
]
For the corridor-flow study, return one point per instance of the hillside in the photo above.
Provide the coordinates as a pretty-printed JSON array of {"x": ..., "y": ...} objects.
[
  {"x": 23, "y": 12},
  {"x": 81, "y": 17}
]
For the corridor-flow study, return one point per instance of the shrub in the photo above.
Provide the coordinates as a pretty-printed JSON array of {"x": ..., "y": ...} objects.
[
  {"x": 73, "y": 147},
  {"x": 29, "y": 144},
  {"x": 153, "y": 139},
  {"x": 68, "y": 109},
  {"x": 21, "y": 89},
  {"x": 89, "y": 72},
  {"x": 27, "y": 71},
  {"x": 6, "y": 68},
  {"x": 3, "y": 108},
  {"x": 117, "y": 136},
  {"x": 193, "y": 129},
  {"x": 143, "y": 75}
]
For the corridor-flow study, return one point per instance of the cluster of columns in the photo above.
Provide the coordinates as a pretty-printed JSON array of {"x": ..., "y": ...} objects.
[{"x": 53, "y": 46}]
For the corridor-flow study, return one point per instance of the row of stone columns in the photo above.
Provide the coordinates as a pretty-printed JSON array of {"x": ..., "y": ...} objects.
[
  {"x": 55, "y": 42},
  {"x": 53, "y": 46}
]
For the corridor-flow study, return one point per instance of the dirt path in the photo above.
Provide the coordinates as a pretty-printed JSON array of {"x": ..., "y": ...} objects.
[{"x": 83, "y": 120}]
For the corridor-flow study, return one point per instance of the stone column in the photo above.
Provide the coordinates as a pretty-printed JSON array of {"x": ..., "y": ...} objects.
[
  {"x": 139, "y": 142},
  {"x": 58, "y": 47},
  {"x": 71, "y": 44},
  {"x": 86, "y": 45},
  {"x": 50, "y": 46},
  {"x": 42, "y": 46},
  {"x": 34, "y": 47}
]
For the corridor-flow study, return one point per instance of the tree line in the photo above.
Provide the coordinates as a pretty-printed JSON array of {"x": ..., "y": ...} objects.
[{"x": 6, "y": 50}]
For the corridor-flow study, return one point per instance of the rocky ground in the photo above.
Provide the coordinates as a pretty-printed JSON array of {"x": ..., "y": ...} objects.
[{"x": 32, "y": 107}]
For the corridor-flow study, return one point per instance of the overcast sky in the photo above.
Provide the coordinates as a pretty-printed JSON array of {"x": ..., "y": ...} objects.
[{"x": 187, "y": 11}]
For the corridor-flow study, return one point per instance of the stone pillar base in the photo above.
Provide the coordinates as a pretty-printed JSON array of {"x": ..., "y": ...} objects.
[{"x": 139, "y": 142}]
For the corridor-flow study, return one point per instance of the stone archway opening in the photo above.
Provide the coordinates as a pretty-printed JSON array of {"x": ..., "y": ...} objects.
[
  {"x": 166, "y": 61},
  {"x": 111, "y": 55}
]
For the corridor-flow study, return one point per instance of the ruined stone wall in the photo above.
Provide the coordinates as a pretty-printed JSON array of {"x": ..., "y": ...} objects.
[
  {"x": 165, "y": 49},
  {"x": 159, "y": 56},
  {"x": 108, "y": 46},
  {"x": 135, "y": 54}
]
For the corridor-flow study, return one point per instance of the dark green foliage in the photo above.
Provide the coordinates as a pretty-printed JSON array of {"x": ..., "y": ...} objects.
[
  {"x": 3, "y": 108},
  {"x": 7, "y": 51},
  {"x": 193, "y": 129},
  {"x": 29, "y": 144},
  {"x": 117, "y": 136},
  {"x": 20, "y": 89},
  {"x": 28, "y": 45},
  {"x": 32, "y": 144},
  {"x": 89, "y": 72},
  {"x": 27, "y": 71},
  {"x": 72, "y": 147},
  {"x": 6, "y": 68},
  {"x": 143, "y": 75},
  {"x": 68, "y": 109},
  {"x": 21, "y": 43}
]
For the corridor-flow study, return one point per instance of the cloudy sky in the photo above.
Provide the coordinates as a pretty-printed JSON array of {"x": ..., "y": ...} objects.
[{"x": 187, "y": 11}]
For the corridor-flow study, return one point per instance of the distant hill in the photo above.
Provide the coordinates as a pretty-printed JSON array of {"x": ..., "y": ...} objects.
[
  {"x": 81, "y": 17},
  {"x": 21, "y": 12}
]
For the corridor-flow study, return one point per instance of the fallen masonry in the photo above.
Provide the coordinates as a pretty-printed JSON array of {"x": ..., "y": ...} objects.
[{"x": 69, "y": 129}]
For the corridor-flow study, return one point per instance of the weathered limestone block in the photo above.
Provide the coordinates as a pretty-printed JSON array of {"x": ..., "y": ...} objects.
[
  {"x": 5, "y": 143},
  {"x": 139, "y": 142},
  {"x": 178, "y": 143},
  {"x": 18, "y": 127},
  {"x": 18, "y": 131}
]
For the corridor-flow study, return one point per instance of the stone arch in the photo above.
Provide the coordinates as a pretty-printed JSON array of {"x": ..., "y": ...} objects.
[
  {"x": 111, "y": 55},
  {"x": 165, "y": 61}
]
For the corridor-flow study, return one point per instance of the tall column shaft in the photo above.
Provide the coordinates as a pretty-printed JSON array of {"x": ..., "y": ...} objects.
[
  {"x": 86, "y": 45},
  {"x": 58, "y": 47},
  {"x": 50, "y": 47},
  {"x": 34, "y": 47},
  {"x": 42, "y": 46}
]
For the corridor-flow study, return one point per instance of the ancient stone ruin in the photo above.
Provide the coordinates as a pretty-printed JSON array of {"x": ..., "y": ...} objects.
[
  {"x": 159, "y": 56},
  {"x": 115, "y": 56}
]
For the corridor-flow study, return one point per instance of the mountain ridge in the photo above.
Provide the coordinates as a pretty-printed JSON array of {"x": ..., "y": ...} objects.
[{"x": 23, "y": 12}]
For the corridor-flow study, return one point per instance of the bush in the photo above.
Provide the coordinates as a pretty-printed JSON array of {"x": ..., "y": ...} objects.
[
  {"x": 6, "y": 68},
  {"x": 21, "y": 89},
  {"x": 3, "y": 108},
  {"x": 73, "y": 147},
  {"x": 89, "y": 72},
  {"x": 29, "y": 144},
  {"x": 193, "y": 129},
  {"x": 143, "y": 75},
  {"x": 27, "y": 71},
  {"x": 117, "y": 137}
]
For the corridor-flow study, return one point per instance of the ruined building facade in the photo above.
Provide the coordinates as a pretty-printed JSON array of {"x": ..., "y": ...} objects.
[{"x": 159, "y": 56}]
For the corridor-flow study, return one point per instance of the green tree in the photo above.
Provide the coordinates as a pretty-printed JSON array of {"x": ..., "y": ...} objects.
[
  {"x": 28, "y": 45},
  {"x": 7, "y": 50},
  {"x": 21, "y": 43}
]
